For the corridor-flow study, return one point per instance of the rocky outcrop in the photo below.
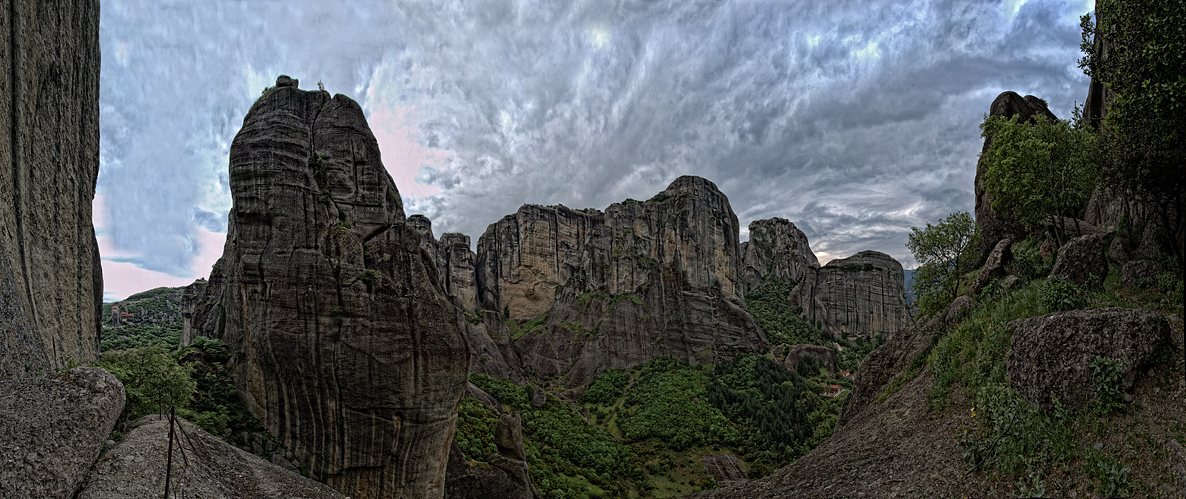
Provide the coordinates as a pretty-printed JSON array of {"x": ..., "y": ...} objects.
[
  {"x": 994, "y": 266},
  {"x": 505, "y": 473},
  {"x": 587, "y": 290},
  {"x": 346, "y": 347},
  {"x": 49, "y": 148},
  {"x": 1051, "y": 356},
  {"x": 491, "y": 350},
  {"x": 862, "y": 295},
  {"x": 790, "y": 357},
  {"x": 725, "y": 468},
  {"x": 189, "y": 304},
  {"x": 995, "y": 226},
  {"x": 1140, "y": 273},
  {"x": 210, "y": 468},
  {"x": 53, "y": 430},
  {"x": 776, "y": 250},
  {"x": 455, "y": 261},
  {"x": 1082, "y": 262}
]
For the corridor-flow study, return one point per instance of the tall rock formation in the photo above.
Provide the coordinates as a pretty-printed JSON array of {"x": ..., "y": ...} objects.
[
  {"x": 862, "y": 295},
  {"x": 49, "y": 146},
  {"x": 995, "y": 226},
  {"x": 345, "y": 345},
  {"x": 776, "y": 250},
  {"x": 585, "y": 290}
]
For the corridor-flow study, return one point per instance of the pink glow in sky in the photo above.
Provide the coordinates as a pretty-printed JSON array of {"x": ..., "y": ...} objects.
[
  {"x": 395, "y": 129},
  {"x": 123, "y": 279}
]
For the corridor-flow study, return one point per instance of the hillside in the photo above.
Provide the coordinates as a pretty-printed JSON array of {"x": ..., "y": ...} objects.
[{"x": 147, "y": 318}]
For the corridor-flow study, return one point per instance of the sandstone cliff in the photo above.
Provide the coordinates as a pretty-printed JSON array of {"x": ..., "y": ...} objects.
[
  {"x": 995, "y": 226},
  {"x": 776, "y": 250},
  {"x": 586, "y": 290},
  {"x": 346, "y": 347},
  {"x": 862, "y": 295},
  {"x": 49, "y": 149}
]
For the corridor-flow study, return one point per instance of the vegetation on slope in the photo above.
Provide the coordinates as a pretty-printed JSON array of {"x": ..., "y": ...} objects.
[
  {"x": 155, "y": 319},
  {"x": 783, "y": 323}
]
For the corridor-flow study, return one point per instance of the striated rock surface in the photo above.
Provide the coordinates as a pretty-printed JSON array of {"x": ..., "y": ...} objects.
[
  {"x": 49, "y": 152},
  {"x": 587, "y": 290},
  {"x": 1051, "y": 356},
  {"x": 995, "y": 226},
  {"x": 53, "y": 430},
  {"x": 455, "y": 261},
  {"x": 346, "y": 347},
  {"x": 189, "y": 304},
  {"x": 211, "y": 468},
  {"x": 776, "y": 250},
  {"x": 862, "y": 295}
]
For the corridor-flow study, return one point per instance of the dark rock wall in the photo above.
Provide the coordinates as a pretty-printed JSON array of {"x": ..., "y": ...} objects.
[
  {"x": 995, "y": 226},
  {"x": 862, "y": 295},
  {"x": 346, "y": 345},
  {"x": 639, "y": 281},
  {"x": 776, "y": 250},
  {"x": 49, "y": 149}
]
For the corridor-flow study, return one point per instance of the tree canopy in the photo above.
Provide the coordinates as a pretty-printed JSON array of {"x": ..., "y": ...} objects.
[
  {"x": 942, "y": 252},
  {"x": 1039, "y": 168}
]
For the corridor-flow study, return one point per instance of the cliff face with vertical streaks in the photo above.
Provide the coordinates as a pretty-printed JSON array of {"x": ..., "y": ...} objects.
[
  {"x": 346, "y": 346},
  {"x": 49, "y": 147}
]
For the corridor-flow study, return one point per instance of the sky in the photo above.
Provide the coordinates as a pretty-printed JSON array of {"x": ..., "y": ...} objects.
[{"x": 856, "y": 120}]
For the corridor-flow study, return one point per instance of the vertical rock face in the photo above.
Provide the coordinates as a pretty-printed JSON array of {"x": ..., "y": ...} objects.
[
  {"x": 49, "y": 160},
  {"x": 346, "y": 346},
  {"x": 189, "y": 304},
  {"x": 456, "y": 264},
  {"x": 995, "y": 226},
  {"x": 586, "y": 290},
  {"x": 776, "y": 250},
  {"x": 860, "y": 295}
]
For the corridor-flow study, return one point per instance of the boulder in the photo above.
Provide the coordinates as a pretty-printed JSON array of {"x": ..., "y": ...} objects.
[
  {"x": 344, "y": 344},
  {"x": 202, "y": 466},
  {"x": 53, "y": 430},
  {"x": 1118, "y": 250},
  {"x": 1082, "y": 262},
  {"x": 958, "y": 309},
  {"x": 1051, "y": 356},
  {"x": 790, "y": 357},
  {"x": 994, "y": 266},
  {"x": 1140, "y": 274},
  {"x": 862, "y": 295},
  {"x": 776, "y": 250},
  {"x": 1071, "y": 227},
  {"x": 995, "y": 226},
  {"x": 588, "y": 290},
  {"x": 49, "y": 139}
]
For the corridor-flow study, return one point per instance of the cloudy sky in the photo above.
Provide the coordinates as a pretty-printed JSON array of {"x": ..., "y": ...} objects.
[{"x": 853, "y": 119}]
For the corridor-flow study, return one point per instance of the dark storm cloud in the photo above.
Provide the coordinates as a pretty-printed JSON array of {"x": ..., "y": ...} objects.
[{"x": 855, "y": 120}]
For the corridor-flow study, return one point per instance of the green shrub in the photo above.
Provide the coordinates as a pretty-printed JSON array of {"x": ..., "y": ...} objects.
[
  {"x": 606, "y": 387},
  {"x": 783, "y": 323},
  {"x": 475, "y": 429},
  {"x": 669, "y": 403},
  {"x": 152, "y": 380},
  {"x": 1109, "y": 396},
  {"x": 1058, "y": 295}
]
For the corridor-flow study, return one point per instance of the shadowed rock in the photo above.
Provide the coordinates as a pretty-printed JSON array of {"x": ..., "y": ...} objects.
[
  {"x": 995, "y": 226},
  {"x": 776, "y": 250},
  {"x": 1051, "y": 356},
  {"x": 53, "y": 429},
  {"x": 862, "y": 295},
  {"x": 49, "y": 142},
  {"x": 589, "y": 290},
  {"x": 210, "y": 468},
  {"x": 346, "y": 347}
]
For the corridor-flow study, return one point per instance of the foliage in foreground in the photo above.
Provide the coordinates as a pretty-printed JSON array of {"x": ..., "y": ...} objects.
[{"x": 942, "y": 252}]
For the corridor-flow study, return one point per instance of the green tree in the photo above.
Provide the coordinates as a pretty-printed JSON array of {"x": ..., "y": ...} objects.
[
  {"x": 1039, "y": 168},
  {"x": 151, "y": 379},
  {"x": 1143, "y": 137},
  {"x": 942, "y": 252}
]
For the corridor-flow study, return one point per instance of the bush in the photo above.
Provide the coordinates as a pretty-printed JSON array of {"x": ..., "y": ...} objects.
[
  {"x": 1109, "y": 396},
  {"x": 782, "y": 322},
  {"x": 152, "y": 380},
  {"x": 606, "y": 387},
  {"x": 1058, "y": 295}
]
